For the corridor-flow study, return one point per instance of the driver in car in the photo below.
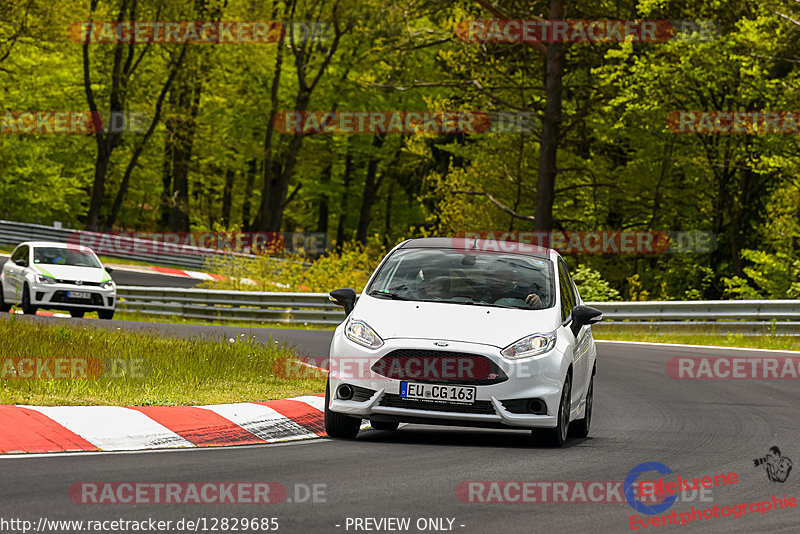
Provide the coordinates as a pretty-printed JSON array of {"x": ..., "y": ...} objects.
[
  {"x": 502, "y": 285},
  {"x": 433, "y": 283}
]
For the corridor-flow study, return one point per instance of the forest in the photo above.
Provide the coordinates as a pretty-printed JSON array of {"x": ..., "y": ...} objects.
[{"x": 243, "y": 116}]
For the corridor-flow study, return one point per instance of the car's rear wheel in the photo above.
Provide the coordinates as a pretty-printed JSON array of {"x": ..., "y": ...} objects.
[
  {"x": 78, "y": 314},
  {"x": 338, "y": 425},
  {"x": 556, "y": 437},
  {"x": 27, "y": 307},
  {"x": 4, "y": 308},
  {"x": 580, "y": 428},
  {"x": 105, "y": 314},
  {"x": 384, "y": 425}
]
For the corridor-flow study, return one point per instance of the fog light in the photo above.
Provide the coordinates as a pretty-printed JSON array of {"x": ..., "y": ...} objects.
[{"x": 345, "y": 392}]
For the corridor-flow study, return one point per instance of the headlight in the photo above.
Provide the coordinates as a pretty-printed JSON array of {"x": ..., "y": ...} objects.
[
  {"x": 109, "y": 284},
  {"x": 40, "y": 279},
  {"x": 361, "y": 333},
  {"x": 530, "y": 346}
]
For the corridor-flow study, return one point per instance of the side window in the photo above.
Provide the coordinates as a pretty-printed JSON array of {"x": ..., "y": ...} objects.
[
  {"x": 567, "y": 291},
  {"x": 20, "y": 254}
]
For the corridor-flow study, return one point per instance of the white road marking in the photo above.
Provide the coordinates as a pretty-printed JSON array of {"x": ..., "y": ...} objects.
[{"x": 716, "y": 347}]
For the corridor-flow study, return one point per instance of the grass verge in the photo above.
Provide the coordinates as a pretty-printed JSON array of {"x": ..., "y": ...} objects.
[
  {"x": 125, "y": 368},
  {"x": 175, "y": 319}
]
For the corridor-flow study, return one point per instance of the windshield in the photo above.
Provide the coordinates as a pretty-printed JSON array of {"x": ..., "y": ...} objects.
[
  {"x": 484, "y": 278},
  {"x": 64, "y": 256}
]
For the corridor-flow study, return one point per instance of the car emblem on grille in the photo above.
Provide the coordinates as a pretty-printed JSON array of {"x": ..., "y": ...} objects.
[
  {"x": 441, "y": 343},
  {"x": 78, "y": 282}
]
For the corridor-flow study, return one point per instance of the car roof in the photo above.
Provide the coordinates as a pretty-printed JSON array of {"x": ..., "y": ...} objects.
[
  {"x": 53, "y": 244},
  {"x": 479, "y": 245}
]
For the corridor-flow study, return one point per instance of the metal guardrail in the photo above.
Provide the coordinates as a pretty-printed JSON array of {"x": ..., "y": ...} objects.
[
  {"x": 219, "y": 305},
  {"x": 757, "y": 316},
  {"x": 13, "y": 233}
]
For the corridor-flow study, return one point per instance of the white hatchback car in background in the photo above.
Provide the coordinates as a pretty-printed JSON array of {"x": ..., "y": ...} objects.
[
  {"x": 466, "y": 333},
  {"x": 57, "y": 276}
]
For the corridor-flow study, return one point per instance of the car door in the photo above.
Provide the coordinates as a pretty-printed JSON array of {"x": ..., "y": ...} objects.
[
  {"x": 14, "y": 274},
  {"x": 569, "y": 300}
]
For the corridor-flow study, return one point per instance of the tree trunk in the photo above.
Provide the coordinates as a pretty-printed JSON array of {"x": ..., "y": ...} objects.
[
  {"x": 252, "y": 170},
  {"x": 554, "y": 72},
  {"x": 343, "y": 205},
  {"x": 227, "y": 197},
  {"x": 264, "y": 216},
  {"x": 324, "y": 209},
  {"x": 370, "y": 189}
]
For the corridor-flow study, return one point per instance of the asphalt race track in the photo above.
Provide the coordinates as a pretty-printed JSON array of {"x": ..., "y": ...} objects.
[
  {"x": 136, "y": 278},
  {"x": 697, "y": 428}
]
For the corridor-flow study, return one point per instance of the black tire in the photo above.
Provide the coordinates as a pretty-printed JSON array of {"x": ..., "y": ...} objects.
[
  {"x": 4, "y": 308},
  {"x": 339, "y": 425},
  {"x": 78, "y": 314},
  {"x": 384, "y": 425},
  {"x": 580, "y": 428},
  {"x": 27, "y": 307},
  {"x": 105, "y": 314},
  {"x": 556, "y": 437}
]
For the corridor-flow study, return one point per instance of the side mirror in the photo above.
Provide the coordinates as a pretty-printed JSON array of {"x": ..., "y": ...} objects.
[
  {"x": 344, "y": 297},
  {"x": 21, "y": 263},
  {"x": 584, "y": 315},
  {"x": 109, "y": 270}
]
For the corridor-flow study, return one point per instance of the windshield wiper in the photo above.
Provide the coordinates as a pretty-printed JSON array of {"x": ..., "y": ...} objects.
[{"x": 386, "y": 294}]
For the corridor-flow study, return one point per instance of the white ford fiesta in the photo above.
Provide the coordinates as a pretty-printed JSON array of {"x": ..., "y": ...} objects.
[
  {"x": 57, "y": 276},
  {"x": 465, "y": 333}
]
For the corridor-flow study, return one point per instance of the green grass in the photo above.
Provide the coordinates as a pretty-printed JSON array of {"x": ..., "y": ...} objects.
[
  {"x": 175, "y": 319},
  {"x": 698, "y": 337},
  {"x": 125, "y": 368}
]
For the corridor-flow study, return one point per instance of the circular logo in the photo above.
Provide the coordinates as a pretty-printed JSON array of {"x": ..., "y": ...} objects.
[{"x": 630, "y": 484}]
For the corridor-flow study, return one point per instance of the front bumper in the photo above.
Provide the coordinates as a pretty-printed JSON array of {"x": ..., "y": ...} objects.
[
  {"x": 55, "y": 296},
  {"x": 539, "y": 377}
]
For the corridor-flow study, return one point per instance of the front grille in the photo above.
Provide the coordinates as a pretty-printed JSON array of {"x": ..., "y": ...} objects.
[
  {"x": 75, "y": 283},
  {"x": 396, "y": 401},
  {"x": 61, "y": 297},
  {"x": 444, "y": 367}
]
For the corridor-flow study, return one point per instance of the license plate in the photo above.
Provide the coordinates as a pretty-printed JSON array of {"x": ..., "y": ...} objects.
[
  {"x": 438, "y": 392},
  {"x": 78, "y": 295}
]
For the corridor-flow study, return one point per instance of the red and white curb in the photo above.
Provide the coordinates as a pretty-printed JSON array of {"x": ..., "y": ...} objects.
[{"x": 43, "y": 429}]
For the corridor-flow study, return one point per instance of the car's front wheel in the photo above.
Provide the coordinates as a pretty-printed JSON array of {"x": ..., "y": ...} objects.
[
  {"x": 580, "y": 428},
  {"x": 338, "y": 425},
  {"x": 557, "y": 436},
  {"x": 105, "y": 314},
  {"x": 4, "y": 307},
  {"x": 27, "y": 307}
]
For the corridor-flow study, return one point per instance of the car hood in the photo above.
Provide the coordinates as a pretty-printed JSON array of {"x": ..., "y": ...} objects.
[
  {"x": 71, "y": 272},
  {"x": 487, "y": 325}
]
